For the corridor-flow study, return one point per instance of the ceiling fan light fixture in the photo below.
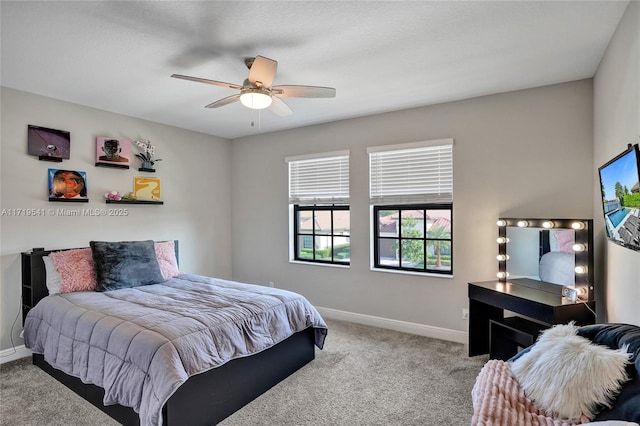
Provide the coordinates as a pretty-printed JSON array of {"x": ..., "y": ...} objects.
[
  {"x": 255, "y": 98},
  {"x": 257, "y": 92}
]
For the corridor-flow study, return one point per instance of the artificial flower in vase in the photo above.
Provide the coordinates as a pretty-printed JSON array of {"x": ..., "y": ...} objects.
[{"x": 147, "y": 156}]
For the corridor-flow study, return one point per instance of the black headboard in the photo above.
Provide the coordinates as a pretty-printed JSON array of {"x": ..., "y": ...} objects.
[{"x": 34, "y": 282}]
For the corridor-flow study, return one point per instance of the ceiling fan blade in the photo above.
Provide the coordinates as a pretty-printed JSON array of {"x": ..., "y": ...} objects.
[
  {"x": 303, "y": 92},
  {"x": 263, "y": 70},
  {"x": 204, "y": 80},
  {"x": 224, "y": 101},
  {"x": 279, "y": 107}
]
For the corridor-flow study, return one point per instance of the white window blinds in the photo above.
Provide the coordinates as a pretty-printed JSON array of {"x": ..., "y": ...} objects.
[
  {"x": 411, "y": 173},
  {"x": 319, "y": 178}
]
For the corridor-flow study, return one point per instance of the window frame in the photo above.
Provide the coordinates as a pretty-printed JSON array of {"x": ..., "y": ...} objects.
[
  {"x": 410, "y": 176},
  {"x": 376, "y": 264},
  {"x": 297, "y": 234},
  {"x": 318, "y": 182}
]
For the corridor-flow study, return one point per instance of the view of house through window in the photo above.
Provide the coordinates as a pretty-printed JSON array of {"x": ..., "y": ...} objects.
[
  {"x": 413, "y": 237},
  {"x": 322, "y": 233}
]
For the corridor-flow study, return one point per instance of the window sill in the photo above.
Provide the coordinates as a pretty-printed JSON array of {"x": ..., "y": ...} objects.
[
  {"x": 330, "y": 265},
  {"x": 420, "y": 274}
]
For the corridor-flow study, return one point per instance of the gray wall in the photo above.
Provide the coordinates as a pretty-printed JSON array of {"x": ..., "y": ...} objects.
[
  {"x": 520, "y": 154},
  {"x": 616, "y": 124},
  {"x": 530, "y": 153},
  {"x": 195, "y": 186}
]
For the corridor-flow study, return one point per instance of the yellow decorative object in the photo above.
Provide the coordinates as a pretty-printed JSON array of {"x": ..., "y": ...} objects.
[{"x": 145, "y": 188}]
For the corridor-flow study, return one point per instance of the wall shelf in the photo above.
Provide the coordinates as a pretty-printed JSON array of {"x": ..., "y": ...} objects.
[
  {"x": 70, "y": 200},
  {"x": 155, "y": 202}
]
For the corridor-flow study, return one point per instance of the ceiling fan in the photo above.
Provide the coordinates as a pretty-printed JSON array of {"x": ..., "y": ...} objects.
[{"x": 257, "y": 92}]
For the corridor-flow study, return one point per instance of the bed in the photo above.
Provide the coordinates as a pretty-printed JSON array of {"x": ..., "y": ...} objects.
[
  {"x": 116, "y": 357},
  {"x": 557, "y": 258}
]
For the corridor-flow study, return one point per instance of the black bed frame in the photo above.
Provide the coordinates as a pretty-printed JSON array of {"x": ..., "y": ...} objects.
[{"x": 204, "y": 399}]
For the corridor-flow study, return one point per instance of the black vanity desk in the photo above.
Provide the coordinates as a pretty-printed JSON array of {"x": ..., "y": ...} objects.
[{"x": 538, "y": 305}]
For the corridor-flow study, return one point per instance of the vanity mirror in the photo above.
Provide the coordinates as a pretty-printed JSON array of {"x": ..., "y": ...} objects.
[{"x": 554, "y": 251}]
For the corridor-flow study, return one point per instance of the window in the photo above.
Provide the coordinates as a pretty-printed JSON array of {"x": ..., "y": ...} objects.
[
  {"x": 322, "y": 233},
  {"x": 319, "y": 202},
  {"x": 411, "y": 193},
  {"x": 413, "y": 237}
]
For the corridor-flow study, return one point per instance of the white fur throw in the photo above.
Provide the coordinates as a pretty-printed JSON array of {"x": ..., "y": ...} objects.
[{"x": 567, "y": 376}]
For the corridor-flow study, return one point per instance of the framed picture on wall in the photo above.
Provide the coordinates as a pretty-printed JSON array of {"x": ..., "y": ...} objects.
[
  {"x": 48, "y": 144},
  {"x": 145, "y": 188},
  {"x": 113, "y": 152},
  {"x": 67, "y": 185}
]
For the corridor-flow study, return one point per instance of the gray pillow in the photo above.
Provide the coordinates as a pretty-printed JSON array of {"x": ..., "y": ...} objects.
[{"x": 125, "y": 264}]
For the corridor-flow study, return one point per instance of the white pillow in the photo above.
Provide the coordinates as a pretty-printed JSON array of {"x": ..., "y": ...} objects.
[
  {"x": 53, "y": 276},
  {"x": 567, "y": 376}
]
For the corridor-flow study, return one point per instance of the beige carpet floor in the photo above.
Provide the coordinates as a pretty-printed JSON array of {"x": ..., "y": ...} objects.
[{"x": 364, "y": 376}]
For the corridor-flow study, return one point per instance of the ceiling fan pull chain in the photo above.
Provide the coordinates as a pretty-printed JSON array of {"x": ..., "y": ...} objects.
[{"x": 254, "y": 112}]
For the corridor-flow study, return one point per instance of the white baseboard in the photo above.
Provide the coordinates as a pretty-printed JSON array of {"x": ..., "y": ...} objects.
[
  {"x": 12, "y": 354},
  {"x": 396, "y": 325}
]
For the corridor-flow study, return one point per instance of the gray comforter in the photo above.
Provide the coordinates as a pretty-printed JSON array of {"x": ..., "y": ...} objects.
[{"x": 140, "y": 344}]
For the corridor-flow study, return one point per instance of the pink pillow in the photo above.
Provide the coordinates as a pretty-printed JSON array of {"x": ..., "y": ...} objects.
[
  {"x": 166, "y": 255},
  {"x": 76, "y": 270},
  {"x": 566, "y": 240}
]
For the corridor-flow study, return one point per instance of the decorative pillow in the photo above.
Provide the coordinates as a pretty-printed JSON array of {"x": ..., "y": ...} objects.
[
  {"x": 125, "y": 264},
  {"x": 76, "y": 270},
  {"x": 566, "y": 239},
  {"x": 614, "y": 336},
  {"x": 52, "y": 275},
  {"x": 567, "y": 376},
  {"x": 166, "y": 255}
]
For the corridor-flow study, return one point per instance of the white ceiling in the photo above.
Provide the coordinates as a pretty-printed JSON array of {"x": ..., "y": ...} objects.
[{"x": 380, "y": 56}]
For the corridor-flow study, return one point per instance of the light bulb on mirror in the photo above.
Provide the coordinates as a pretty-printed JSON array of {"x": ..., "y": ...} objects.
[
  {"x": 502, "y": 240},
  {"x": 577, "y": 225},
  {"x": 580, "y": 269},
  {"x": 523, "y": 223},
  {"x": 547, "y": 224},
  {"x": 579, "y": 247},
  {"x": 502, "y": 257},
  {"x": 501, "y": 222}
]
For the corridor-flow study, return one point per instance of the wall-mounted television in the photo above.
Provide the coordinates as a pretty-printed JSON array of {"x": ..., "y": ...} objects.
[
  {"x": 48, "y": 144},
  {"x": 620, "y": 187}
]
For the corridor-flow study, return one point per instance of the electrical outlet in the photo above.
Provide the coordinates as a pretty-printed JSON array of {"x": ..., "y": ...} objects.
[
  {"x": 465, "y": 313},
  {"x": 271, "y": 284},
  {"x": 22, "y": 334}
]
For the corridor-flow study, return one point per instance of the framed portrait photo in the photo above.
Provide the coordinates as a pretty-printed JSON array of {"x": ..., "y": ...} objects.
[
  {"x": 113, "y": 152},
  {"x": 67, "y": 185}
]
